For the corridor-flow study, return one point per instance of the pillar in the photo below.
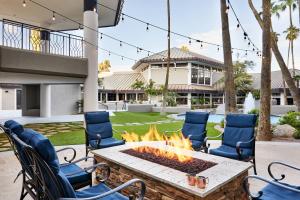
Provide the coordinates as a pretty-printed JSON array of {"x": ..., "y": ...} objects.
[
  {"x": 189, "y": 100},
  {"x": 282, "y": 101},
  {"x": 45, "y": 41},
  {"x": 189, "y": 73},
  {"x": 90, "y": 21},
  {"x": 45, "y": 100}
]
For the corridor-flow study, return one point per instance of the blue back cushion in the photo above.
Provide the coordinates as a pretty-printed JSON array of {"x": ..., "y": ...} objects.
[
  {"x": 46, "y": 150},
  {"x": 239, "y": 127},
  {"x": 14, "y": 126},
  {"x": 98, "y": 123},
  {"x": 43, "y": 146},
  {"x": 195, "y": 123}
]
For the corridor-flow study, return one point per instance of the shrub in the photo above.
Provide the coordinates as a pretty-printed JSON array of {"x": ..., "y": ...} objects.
[
  {"x": 222, "y": 123},
  {"x": 292, "y": 119},
  {"x": 256, "y": 112}
]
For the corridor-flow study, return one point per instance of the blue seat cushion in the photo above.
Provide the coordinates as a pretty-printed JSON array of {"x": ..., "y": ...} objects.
[
  {"x": 195, "y": 125},
  {"x": 273, "y": 192},
  {"x": 230, "y": 152},
  {"x": 43, "y": 146},
  {"x": 99, "y": 189},
  {"x": 78, "y": 177},
  {"x": 14, "y": 127},
  {"x": 108, "y": 142},
  {"x": 103, "y": 129}
]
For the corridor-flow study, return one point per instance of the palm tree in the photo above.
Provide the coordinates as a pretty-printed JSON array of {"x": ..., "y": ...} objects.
[
  {"x": 265, "y": 84},
  {"x": 230, "y": 95},
  {"x": 291, "y": 5},
  {"x": 104, "y": 66},
  {"x": 284, "y": 69},
  {"x": 165, "y": 89}
]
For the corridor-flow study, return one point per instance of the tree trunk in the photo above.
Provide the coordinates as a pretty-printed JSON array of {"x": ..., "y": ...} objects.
[
  {"x": 291, "y": 41},
  {"x": 230, "y": 95},
  {"x": 265, "y": 84},
  {"x": 165, "y": 90},
  {"x": 284, "y": 87},
  {"x": 285, "y": 72}
]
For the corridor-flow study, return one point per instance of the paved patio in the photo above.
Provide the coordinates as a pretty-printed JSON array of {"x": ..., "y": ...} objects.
[{"x": 266, "y": 153}]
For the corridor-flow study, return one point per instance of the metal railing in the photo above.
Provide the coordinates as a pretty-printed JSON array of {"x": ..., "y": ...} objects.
[{"x": 24, "y": 36}]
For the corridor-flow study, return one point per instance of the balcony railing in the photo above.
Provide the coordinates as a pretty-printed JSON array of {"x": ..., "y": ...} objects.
[{"x": 24, "y": 36}]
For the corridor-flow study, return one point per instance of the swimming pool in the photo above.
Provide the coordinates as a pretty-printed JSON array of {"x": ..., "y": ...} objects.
[{"x": 216, "y": 118}]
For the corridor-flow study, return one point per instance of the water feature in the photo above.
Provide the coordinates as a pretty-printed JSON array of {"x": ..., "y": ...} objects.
[{"x": 249, "y": 103}]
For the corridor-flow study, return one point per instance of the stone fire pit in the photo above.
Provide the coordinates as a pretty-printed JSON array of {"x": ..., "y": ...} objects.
[{"x": 225, "y": 176}]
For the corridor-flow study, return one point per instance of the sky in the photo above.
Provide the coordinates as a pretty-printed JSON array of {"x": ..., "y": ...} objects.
[{"x": 195, "y": 18}]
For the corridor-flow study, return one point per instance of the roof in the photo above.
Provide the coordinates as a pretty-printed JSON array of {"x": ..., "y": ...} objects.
[
  {"x": 178, "y": 55},
  {"x": 121, "y": 80},
  {"x": 36, "y": 15},
  {"x": 276, "y": 79}
]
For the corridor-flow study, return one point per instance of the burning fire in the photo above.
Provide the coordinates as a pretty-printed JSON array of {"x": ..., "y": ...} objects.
[{"x": 177, "y": 141}]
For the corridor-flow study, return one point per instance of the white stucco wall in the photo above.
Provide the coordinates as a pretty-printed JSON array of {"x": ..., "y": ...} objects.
[
  {"x": 177, "y": 75},
  {"x": 64, "y": 98},
  {"x": 8, "y": 99}
]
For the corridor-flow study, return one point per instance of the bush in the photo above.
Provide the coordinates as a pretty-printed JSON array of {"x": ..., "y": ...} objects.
[
  {"x": 292, "y": 119},
  {"x": 222, "y": 123},
  {"x": 256, "y": 112}
]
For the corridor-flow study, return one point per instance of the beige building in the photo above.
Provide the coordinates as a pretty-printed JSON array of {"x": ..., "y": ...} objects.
[
  {"x": 194, "y": 77},
  {"x": 191, "y": 77}
]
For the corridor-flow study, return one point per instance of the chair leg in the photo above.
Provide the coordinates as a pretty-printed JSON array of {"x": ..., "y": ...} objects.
[
  {"x": 254, "y": 166},
  {"x": 23, "y": 193},
  {"x": 86, "y": 152}
]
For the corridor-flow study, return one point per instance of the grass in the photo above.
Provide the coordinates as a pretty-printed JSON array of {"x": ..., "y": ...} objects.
[{"x": 77, "y": 137}]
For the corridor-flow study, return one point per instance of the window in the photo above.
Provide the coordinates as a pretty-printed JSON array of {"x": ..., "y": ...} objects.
[
  {"x": 182, "y": 99},
  {"x": 131, "y": 97},
  {"x": 121, "y": 97},
  {"x": 201, "y": 75},
  {"x": 111, "y": 97}
]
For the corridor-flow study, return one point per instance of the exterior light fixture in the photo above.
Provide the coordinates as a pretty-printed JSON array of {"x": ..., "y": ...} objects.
[
  {"x": 227, "y": 9},
  {"x": 53, "y": 16},
  {"x": 24, "y": 3}
]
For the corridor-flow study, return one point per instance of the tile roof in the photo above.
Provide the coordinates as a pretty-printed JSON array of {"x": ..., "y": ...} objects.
[
  {"x": 121, "y": 80},
  {"x": 178, "y": 55}
]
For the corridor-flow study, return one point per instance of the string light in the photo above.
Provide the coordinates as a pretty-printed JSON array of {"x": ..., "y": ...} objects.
[
  {"x": 238, "y": 25},
  {"x": 24, "y": 3},
  {"x": 120, "y": 43},
  {"x": 147, "y": 28},
  {"x": 190, "y": 41},
  {"x": 218, "y": 48},
  {"x": 101, "y": 36},
  {"x": 108, "y": 53},
  {"x": 122, "y": 17},
  {"x": 175, "y": 33},
  {"x": 227, "y": 9},
  {"x": 201, "y": 45},
  {"x": 245, "y": 35},
  {"x": 53, "y": 16}
]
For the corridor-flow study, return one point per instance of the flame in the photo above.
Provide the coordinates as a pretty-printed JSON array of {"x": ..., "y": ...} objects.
[{"x": 178, "y": 141}]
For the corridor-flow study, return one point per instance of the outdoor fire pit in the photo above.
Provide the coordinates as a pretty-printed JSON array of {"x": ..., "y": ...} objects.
[{"x": 164, "y": 169}]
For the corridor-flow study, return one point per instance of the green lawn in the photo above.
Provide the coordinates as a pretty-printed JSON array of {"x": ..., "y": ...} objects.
[{"x": 77, "y": 137}]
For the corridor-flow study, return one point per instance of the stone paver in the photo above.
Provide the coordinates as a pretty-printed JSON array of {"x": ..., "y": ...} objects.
[{"x": 266, "y": 152}]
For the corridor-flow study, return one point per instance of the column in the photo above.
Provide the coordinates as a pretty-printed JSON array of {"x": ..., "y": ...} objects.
[
  {"x": 189, "y": 67},
  {"x": 45, "y": 41},
  {"x": 45, "y": 100},
  {"x": 90, "y": 20},
  {"x": 282, "y": 101},
  {"x": 149, "y": 73},
  {"x": 189, "y": 101}
]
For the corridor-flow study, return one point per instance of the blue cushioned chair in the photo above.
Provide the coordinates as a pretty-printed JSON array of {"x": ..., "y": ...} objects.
[
  {"x": 77, "y": 180},
  {"x": 99, "y": 131},
  {"x": 238, "y": 138},
  {"x": 194, "y": 128},
  {"x": 47, "y": 181},
  {"x": 275, "y": 189}
]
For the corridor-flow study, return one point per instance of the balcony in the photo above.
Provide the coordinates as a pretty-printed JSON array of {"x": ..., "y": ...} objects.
[{"x": 34, "y": 50}]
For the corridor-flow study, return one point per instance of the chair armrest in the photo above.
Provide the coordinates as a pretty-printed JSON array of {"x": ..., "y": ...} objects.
[
  {"x": 260, "y": 193},
  {"x": 97, "y": 135},
  {"x": 212, "y": 137},
  {"x": 68, "y": 148},
  {"x": 282, "y": 175},
  {"x": 196, "y": 137},
  {"x": 238, "y": 146},
  {"x": 132, "y": 182},
  {"x": 79, "y": 160},
  {"x": 92, "y": 168}
]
